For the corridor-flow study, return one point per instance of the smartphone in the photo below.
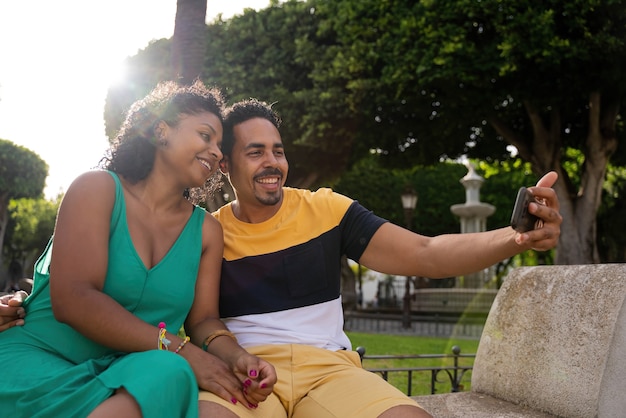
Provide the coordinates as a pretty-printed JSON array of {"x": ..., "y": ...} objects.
[{"x": 521, "y": 219}]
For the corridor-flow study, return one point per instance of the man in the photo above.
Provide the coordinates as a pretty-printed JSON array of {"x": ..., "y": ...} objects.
[{"x": 280, "y": 286}]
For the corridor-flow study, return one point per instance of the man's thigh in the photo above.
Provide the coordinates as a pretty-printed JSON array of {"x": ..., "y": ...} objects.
[{"x": 350, "y": 393}]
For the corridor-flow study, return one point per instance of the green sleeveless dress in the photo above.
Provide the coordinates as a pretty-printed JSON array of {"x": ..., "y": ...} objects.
[{"x": 51, "y": 370}]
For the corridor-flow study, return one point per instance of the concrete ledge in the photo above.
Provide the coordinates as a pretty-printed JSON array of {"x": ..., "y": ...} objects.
[
  {"x": 553, "y": 343},
  {"x": 475, "y": 405}
]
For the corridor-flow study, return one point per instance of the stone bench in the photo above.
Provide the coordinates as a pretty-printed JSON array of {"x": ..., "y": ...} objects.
[{"x": 554, "y": 345}]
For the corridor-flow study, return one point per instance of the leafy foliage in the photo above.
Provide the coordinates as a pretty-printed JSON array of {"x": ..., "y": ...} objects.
[
  {"x": 31, "y": 225},
  {"x": 22, "y": 175},
  {"x": 429, "y": 74},
  {"x": 611, "y": 221},
  {"x": 22, "y": 172},
  {"x": 258, "y": 54},
  {"x": 422, "y": 82}
]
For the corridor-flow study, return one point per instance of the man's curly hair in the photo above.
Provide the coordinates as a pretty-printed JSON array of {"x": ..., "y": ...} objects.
[{"x": 241, "y": 112}]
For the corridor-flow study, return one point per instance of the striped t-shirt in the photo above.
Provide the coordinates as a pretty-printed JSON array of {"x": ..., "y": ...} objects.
[{"x": 281, "y": 278}]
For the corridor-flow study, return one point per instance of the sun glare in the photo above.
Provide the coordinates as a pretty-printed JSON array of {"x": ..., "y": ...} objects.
[
  {"x": 116, "y": 74},
  {"x": 55, "y": 54}
]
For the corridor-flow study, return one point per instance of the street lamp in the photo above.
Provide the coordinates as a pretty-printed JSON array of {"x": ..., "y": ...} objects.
[{"x": 409, "y": 201}]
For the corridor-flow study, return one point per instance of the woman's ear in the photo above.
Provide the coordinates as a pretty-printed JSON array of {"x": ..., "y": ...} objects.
[{"x": 160, "y": 133}]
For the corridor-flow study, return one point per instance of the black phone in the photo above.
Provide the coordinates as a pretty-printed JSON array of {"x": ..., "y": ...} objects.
[{"x": 521, "y": 219}]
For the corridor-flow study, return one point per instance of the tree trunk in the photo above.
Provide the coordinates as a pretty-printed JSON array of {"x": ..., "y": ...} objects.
[
  {"x": 578, "y": 204},
  {"x": 348, "y": 286},
  {"x": 189, "y": 40},
  {"x": 4, "y": 221}
]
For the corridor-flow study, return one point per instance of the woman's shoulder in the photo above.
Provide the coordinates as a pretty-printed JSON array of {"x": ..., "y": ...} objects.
[
  {"x": 93, "y": 178},
  {"x": 211, "y": 229},
  {"x": 97, "y": 185},
  {"x": 211, "y": 222}
]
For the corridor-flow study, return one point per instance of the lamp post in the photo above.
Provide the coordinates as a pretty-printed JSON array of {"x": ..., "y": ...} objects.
[{"x": 409, "y": 201}]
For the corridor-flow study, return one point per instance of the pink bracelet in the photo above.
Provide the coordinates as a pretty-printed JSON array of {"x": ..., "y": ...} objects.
[{"x": 163, "y": 343}]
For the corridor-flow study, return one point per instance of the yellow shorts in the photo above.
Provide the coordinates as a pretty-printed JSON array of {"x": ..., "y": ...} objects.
[{"x": 315, "y": 382}]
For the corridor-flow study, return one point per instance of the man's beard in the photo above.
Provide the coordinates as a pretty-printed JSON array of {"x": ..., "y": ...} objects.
[{"x": 270, "y": 200}]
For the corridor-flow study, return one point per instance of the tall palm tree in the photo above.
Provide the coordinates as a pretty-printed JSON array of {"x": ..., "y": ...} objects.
[
  {"x": 189, "y": 40},
  {"x": 188, "y": 51}
]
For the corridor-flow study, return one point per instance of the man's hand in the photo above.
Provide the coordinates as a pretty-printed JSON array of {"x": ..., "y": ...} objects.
[
  {"x": 546, "y": 235},
  {"x": 11, "y": 311}
]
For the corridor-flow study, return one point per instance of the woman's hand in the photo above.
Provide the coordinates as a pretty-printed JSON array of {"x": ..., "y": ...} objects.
[
  {"x": 214, "y": 375},
  {"x": 257, "y": 376},
  {"x": 11, "y": 311}
]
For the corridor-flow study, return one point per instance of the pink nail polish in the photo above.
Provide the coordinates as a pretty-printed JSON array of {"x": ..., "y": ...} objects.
[
  {"x": 253, "y": 373},
  {"x": 234, "y": 401},
  {"x": 247, "y": 382},
  {"x": 263, "y": 385}
]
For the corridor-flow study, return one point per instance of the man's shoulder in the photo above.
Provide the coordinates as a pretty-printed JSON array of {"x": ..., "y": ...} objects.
[
  {"x": 219, "y": 213},
  {"x": 321, "y": 194},
  {"x": 321, "y": 201}
]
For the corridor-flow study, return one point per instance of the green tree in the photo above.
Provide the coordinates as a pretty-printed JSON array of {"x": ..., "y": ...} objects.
[
  {"x": 30, "y": 226},
  {"x": 420, "y": 82},
  {"x": 257, "y": 54},
  {"x": 22, "y": 175},
  {"x": 473, "y": 77},
  {"x": 611, "y": 221}
]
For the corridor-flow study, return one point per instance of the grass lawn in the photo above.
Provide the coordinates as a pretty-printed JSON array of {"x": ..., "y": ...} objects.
[{"x": 382, "y": 344}]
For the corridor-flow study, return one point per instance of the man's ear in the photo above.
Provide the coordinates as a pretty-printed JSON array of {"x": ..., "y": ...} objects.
[{"x": 224, "y": 165}]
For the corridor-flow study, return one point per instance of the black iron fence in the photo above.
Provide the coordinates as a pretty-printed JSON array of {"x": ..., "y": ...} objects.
[
  {"x": 433, "y": 325},
  {"x": 453, "y": 376}
]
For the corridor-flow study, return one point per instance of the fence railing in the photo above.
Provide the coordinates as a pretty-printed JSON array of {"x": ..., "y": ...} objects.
[
  {"x": 469, "y": 326},
  {"x": 453, "y": 374}
]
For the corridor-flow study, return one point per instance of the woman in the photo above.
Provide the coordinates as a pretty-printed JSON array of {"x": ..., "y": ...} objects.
[{"x": 132, "y": 259}]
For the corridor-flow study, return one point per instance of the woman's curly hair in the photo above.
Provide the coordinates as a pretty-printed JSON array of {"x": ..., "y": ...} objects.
[{"x": 133, "y": 150}]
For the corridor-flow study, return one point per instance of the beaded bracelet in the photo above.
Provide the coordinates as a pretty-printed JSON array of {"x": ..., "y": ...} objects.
[
  {"x": 163, "y": 343},
  {"x": 182, "y": 344},
  {"x": 214, "y": 335}
]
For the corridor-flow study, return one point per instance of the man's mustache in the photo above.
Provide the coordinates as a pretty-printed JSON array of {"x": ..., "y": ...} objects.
[{"x": 269, "y": 172}]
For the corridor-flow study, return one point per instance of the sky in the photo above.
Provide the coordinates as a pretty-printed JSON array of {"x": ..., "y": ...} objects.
[{"x": 57, "y": 61}]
